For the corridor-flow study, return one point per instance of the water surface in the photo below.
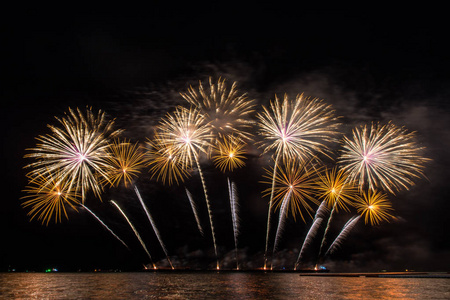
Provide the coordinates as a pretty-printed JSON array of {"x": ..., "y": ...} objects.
[{"x": 211, "y": 285}]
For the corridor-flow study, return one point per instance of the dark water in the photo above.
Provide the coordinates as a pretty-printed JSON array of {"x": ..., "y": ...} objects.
[{"x": 215, "y": 286}]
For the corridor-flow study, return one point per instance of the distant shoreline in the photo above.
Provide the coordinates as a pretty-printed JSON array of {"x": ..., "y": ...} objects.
[{"x": 309, "y": 273}]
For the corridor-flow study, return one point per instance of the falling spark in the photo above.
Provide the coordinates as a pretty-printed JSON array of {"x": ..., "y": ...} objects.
[
  {"x": 382, "y": 156},
  {"x": 104, "y": 225},
  {"x": 295, "y": 129},
  {"x": 342, "y": 235},
  {"x": 225, "y": 110},
  {"x": 78, "y": 151},
  {"x": 49, "y": 198},
  {"x": 194, "y": 210},
  {"x": 135, "y": 232},
  {"x": 374, "y": 207}
]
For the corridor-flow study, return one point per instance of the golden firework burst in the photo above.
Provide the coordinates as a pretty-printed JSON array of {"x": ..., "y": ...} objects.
[
  {"x": 375, "y": 207},
  {"x": 126, "y": 160},
  {"x": 334, "y": 188},
  {"x": 229, "y": 154},
  {"x": 297, "y": 179},
  {"x": 49, "y": 197}
]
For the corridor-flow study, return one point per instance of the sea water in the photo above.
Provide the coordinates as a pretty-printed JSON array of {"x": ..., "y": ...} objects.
[{"x": 212, "y": 285}]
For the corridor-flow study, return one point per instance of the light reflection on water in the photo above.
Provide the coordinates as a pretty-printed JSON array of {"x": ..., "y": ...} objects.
[{"x": 215, "y": 286}]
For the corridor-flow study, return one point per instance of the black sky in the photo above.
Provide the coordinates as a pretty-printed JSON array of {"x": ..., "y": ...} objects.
[{"x": 370, "y": 64}]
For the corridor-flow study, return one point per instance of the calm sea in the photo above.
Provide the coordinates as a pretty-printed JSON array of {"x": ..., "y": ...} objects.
[{"x": 215, "y": 286}]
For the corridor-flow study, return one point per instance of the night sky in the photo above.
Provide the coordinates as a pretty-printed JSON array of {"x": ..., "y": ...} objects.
[{"x": 132, "y": 62}]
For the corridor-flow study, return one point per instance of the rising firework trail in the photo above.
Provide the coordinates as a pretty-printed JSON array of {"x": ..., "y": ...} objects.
[
  {"x": 135, "y": 232},
  {"x": 194, "y": 210},
  {"x": 104, "y": 225},
  {"x": 295, "y": 178},
  {"x": 297, "y": 129},
  {"x": 281, "y": 219},
  {"x": 342, "y": 235},
  {"x": 320, "y": 214},
  {"x": 308, "y": 239},
  {"x": 152, "y": 222},
  {"x": 232, "y": 190}
]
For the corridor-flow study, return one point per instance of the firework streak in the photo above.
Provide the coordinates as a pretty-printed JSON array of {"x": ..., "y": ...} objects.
[
  {"x": 104, "y": 225},
  {"x": 135, "y": 232},
  {"x": 152, "y": 222}
]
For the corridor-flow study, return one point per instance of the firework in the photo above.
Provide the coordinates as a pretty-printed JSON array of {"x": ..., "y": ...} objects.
[
  {"x": 49, "y": 197},
  {"x": 194, "y": 210},
  {"x": 234, "y": 216},
  {"x": 337, "y": 192},
  {"x": 126, "y": 161},
  {"x": 229, "y": 154},
  {"x": 281, "y": 218},
  {"x": 226, "y": 111},
  {"x": 335, "y": 189},
  {"x": 104, "y": 225},
  {"x": 308, "y": 239},
  {"x": 152, "y": 222},
  {"x": 297, "y": 129},
  {"x": 342, "y": 235},
  {"x": 296, "y": 178},
  {"x": 374, "y": 207},
  {"x": 164, "y": 162},
  {"x": 382, "y": 156},
  {"x": 78, "y": 151},
  {"x": 188, "y": 134},
  {"x": 136, "y": 233}
]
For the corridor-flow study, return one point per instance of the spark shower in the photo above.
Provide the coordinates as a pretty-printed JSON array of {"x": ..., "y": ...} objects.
[{"x": 312, "y": 170}]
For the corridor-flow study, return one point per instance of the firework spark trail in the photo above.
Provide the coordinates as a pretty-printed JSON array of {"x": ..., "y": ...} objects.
[
  {"x": 322, "y": 244},
  {"x": 281, "y": 220},
  {"x": 194, "y": 210},
  {"x": 152, "y": 222},
  {"x": 104, "y": 225},
  {"x": 135, "y": 232},
  {"x": 321, "y": 211},
  {"x": 209, "y": 209},
  {"x": 308, "y": 239},
  {"x": 318, "y": 218},
  {"x": 342, "y": 235},
  {"x": 234, "y": 216},
  {"x": 269, "y": 213}
]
